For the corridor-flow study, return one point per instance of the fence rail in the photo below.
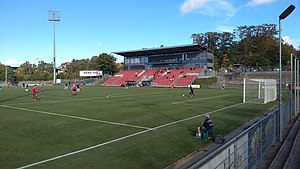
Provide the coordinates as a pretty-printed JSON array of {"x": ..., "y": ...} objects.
[{"x": 247, "y": 148}]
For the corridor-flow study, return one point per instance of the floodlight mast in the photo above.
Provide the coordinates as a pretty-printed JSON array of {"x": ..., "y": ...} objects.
[
  {"x": 294, "y": 83},
  {"x": 282, "y": 16},
  {"x": 54, "y": 16}
]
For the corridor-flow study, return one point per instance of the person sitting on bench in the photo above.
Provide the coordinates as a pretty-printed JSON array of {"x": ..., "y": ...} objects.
[
  {"x": 207, "y": 124},
  {"x": 206, "y": 130}
]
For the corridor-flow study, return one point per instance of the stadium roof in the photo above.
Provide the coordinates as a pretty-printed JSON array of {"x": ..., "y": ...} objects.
[{"x": 162, "y": 50}]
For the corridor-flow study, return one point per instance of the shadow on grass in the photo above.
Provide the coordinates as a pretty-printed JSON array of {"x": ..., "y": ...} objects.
[
  {"x": 13, "y": 98},
  {"x": 191, "y": 129}
]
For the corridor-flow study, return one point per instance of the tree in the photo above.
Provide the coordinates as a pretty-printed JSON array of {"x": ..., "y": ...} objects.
[
  {"x": 10, "y": 73},
  {"x": 219, "y": 43},
  {"x": 20, "y": 74},
  {"x": 225, "y": 61},
  {"x": 28, "y": 68},
  {"x": 74, "y": 67},
  {"x": 259, "y": 46},
  {"x": 106, "y": 63},
  {"x": 265, "y": 30},
  {"x": 2, "y": 72},
  {"x": 254, "y": 46},
  {"x": 45, "y": 69}
]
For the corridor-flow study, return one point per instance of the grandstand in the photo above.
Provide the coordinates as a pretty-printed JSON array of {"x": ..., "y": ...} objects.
[{"x": 164, "y": 66}]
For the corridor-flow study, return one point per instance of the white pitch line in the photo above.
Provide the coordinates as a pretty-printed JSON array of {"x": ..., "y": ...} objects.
[
  {"x": 121, "y": 95},
  {"x": 190, "y": 118},
  {"x": 192, "y": 100},
  {"x": 202, "y": 105},
  {"x": 76, "y": 117},
  {"x": 211, "y": 106},
  {"x": 122, "y": 138},
  {"x": 82, "y": 150}
]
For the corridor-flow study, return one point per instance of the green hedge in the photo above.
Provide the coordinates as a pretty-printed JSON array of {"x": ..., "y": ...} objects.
[{"x": 204, "y": 82}]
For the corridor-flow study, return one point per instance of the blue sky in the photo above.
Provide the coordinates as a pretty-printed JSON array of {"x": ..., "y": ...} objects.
[{"x": 91, "y": 27}]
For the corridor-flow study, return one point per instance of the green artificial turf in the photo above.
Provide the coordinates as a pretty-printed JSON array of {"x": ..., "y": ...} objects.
[{"x": 134, "y": 128}]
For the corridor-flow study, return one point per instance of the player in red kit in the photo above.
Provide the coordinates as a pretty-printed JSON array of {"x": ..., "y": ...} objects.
[
  {"x": 34, "y": 93},
  {"x": 43, "y": 87},
  {"x": 74, "y": 90}
]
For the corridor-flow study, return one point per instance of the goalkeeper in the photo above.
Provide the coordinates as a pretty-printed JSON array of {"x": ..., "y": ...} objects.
[{"x": 191, "y": 93}]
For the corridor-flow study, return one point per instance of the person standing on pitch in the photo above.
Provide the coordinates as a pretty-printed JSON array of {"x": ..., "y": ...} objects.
[
  {"x": 34, "y": 93},
  {"x": 43, "y": 87},
  {"x": 172, "y": 87},
  {"x": 74, "y": 90},
  {"x": 26, "y": 87},
  {"x": 191, "y": 93}
]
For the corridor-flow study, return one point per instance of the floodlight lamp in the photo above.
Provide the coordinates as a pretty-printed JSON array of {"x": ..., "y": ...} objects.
[{"x": 286, "y": 12}]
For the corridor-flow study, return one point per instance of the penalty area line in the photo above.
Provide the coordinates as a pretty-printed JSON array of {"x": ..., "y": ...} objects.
[
  {"x": 192, "y": 100},
  {"x": 77, "y": 117}
]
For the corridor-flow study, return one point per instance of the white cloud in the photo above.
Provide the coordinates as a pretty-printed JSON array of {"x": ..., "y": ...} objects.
[
  {"x": 95, "y": 43},
  {"x": 209, "y": 7},
  {"x": 225, "y": 28},
  {"x": 290, "y": 41},
  {"x": 191, "y": 5},
  {"x": 39, "y": 58},
  {"x": 259, "y": 2},
  {"x": 13, "y": 62}
]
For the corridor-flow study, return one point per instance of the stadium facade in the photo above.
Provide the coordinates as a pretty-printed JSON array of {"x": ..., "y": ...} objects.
[
  {"x": 184, "y": 56},
  {"x": 176, "y": 66}
]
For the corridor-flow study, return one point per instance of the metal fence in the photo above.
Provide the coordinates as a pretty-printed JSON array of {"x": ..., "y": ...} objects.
[{"x": 247, "y": 149}]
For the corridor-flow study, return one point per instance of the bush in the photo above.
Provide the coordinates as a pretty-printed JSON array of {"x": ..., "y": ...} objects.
[{"x": 205, "y": 82}]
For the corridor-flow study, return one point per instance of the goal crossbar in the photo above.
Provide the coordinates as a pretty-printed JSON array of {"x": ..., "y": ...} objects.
[{"x": 259, "y": 90}]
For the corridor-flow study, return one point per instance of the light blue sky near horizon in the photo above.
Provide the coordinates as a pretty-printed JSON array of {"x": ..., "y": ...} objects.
[{"x": 91, "y": 27}]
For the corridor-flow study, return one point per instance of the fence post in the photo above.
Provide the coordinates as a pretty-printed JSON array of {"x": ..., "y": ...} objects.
[
  {"x": 235, "y": 153},
  {"x": 261, "y": 141}
]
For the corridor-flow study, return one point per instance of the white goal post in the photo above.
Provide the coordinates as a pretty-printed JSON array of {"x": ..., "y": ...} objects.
[{"x": 259, "y": 90}]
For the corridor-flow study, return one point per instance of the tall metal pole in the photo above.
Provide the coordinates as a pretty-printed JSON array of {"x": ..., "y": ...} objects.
[
  {"x": 280, "y": 89},
  {"x": 294, "y": 82},
  {"x": 282, "y": 16},
  {"x": 297, "y": 85},
  {"x": 291, "y": 90},
  {"x": 294, "y": 87},
  {"x": 54, "y": 55},
  {"x": 54, "y": 16},
  {"x": 6, "y": 76}
]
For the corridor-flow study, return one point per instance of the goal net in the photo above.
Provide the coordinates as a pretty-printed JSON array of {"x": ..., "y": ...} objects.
[{"x": 259, "y": 90}]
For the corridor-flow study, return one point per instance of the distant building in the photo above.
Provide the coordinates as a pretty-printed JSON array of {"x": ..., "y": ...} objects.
[
  {"x": 62, "y": 68},
  {"x": 191, "y": 56}
]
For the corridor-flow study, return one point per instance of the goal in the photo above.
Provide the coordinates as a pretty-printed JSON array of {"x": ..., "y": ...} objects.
[{"x": 259, "y": 90}]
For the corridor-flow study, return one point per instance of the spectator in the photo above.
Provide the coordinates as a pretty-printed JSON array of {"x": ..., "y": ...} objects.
[{"x": 207, "y": 124}]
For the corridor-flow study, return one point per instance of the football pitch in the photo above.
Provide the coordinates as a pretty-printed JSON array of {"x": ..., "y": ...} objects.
[{"x": 110, "y": 127}]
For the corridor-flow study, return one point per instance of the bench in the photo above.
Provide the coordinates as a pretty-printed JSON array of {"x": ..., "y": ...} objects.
[{"x": 207, "y": 134}]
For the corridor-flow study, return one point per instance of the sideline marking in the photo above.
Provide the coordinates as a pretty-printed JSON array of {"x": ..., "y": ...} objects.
[
  {"x": 125, "y": 137},
  {"x": 76, "y": 117},
  {"x": 199, "y": 99}
]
